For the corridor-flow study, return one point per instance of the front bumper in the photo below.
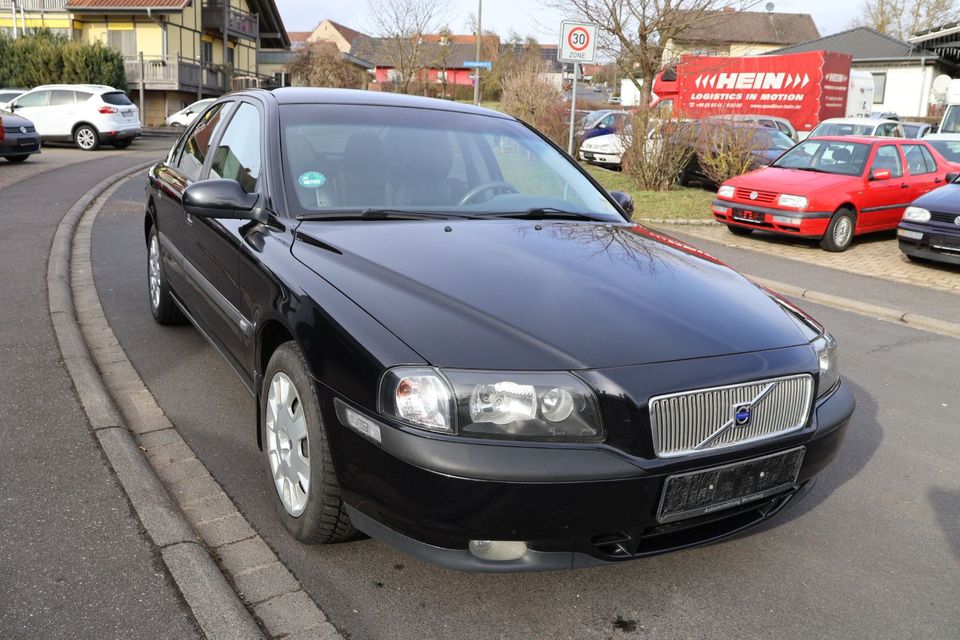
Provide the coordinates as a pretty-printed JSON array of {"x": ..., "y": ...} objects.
[
  {"x": 937, "y": 242},
  {"x": 808, "y": 224},
  {"x": 19, "y": 144},
  {"x": 600, "y": 157},
  {"x": 574, "y": 505}
]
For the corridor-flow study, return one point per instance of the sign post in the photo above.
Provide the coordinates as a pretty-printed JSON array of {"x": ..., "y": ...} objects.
[{"x": 578, "y": 45}]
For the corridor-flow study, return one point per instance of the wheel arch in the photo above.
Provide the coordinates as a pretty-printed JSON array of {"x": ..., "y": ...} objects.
[
  {"x": 271, "y": 335},
  {"x": 77, "y": 125}
]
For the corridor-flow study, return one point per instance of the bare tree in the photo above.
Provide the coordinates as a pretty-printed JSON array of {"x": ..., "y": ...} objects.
[
  {"x": 636, "y": 32},
  {"x": 402, "y": 24},
  {"x": 320, "y": 64},
  {"x": 528, "y": 97},
  {"x": 902, "y": 18}
]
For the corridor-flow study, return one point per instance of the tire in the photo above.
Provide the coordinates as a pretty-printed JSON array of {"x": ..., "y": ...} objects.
[
  {"x": 839, "y": 234},
  {"x": 17, "y": 159},
  {"x": 739, "y": 231},
  {"x": 86, "y": 138},
  {"x": 291, "y": 424},
  {"x": 123, "y": 144},
  {"x": 918, "y": 259},
  {"x": 164, "y": 309},
  {"x": 683, "y": 178}
]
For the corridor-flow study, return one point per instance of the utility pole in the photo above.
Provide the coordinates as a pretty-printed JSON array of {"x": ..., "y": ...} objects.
[{"x": 476, "y": 72}]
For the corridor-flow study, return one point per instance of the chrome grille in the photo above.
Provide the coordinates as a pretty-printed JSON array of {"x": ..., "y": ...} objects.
[
  {"x": 16, "y": 129},
  {"x": 943, "y": 217},
  {"x": 705, "y": 419}
]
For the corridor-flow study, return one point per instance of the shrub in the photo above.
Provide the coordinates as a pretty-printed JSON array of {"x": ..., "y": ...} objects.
[
  {"x": 725, "y": 151},
  {"x": 655, "y": 150},
  {"x": 45, "y": 58},
  {"x": 530, "y": 98}
]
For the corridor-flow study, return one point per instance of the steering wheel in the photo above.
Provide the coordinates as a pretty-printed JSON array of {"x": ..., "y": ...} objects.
[{"x": 504, "y": 187}]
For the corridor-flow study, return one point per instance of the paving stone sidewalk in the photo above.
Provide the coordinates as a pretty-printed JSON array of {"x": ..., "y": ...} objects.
[{"x": 875, "y": 255}]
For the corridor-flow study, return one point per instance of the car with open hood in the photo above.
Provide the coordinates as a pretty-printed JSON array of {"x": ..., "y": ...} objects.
[
  {"x": 459, "y": 344},
  {"x": 832, "y": 189}
]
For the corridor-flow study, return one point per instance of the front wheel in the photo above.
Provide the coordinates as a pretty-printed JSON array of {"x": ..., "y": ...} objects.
[
  {"x": 739, "y": 231},
  {"x": 297, "y": 452},
  {"x": 17, "y": 159},
  {"x": 839, "y": 234},
  {"x": 86, "y": 138},
  {"x": 164, "y": 309}
]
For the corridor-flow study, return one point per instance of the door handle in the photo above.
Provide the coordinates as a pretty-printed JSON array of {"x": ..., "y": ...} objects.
[{"x": 904, "y": 185}]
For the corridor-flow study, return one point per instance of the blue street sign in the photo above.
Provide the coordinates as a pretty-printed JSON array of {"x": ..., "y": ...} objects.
[{"x": 478, "y": 64}]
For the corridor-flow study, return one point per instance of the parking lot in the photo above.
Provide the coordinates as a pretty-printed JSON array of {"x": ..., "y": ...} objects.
[{"x": 872, "y": 552}]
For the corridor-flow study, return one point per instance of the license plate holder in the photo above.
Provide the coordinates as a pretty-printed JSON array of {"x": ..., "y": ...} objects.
[
  {"x": 697, "y": 493},
  {"x": 742, "y": 215},
  {"x": 945, "y": 243}
]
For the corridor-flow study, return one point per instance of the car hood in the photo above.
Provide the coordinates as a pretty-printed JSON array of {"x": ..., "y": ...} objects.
[
  {"x": 12, "y": 120},
  {"x": 791, "y": 180},
  {"x": 508, "y": 294},
  {"x": 946, "y": 199}
]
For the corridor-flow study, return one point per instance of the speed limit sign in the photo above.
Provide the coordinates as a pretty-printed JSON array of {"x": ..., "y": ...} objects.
[{"x": 578, "y": 42}]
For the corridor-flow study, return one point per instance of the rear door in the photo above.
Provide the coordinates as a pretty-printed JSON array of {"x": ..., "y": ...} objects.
[
  {"x": 884, "y": 200},
  {"x": 61, "y": 112},
  {"x": 922, "y": 174}
]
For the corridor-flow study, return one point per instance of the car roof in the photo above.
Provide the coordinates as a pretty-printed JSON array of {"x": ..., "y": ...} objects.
[
  {"x": 859, "y": 121},
  {"x": 860, "y": 139},
  {"x": 93, "y": 87},
  {"x": 942, "y": 136},
  {"x": 309, "y": 95}
]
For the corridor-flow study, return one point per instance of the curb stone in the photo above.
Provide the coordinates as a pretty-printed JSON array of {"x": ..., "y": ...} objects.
[{"x": 183, "y": 509}]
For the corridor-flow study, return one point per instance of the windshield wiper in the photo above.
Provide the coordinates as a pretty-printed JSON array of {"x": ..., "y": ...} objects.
[
  {"x": 547, "y": 213},
  {"x": 383, "y": 214}
]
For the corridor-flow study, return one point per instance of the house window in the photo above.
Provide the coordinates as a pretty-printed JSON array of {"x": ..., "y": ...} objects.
[
  {"x": 206, "y": 52},
  {"x": 442, "y": 76},
  {"x": 123, "y": 41},
  {"x": 393, "y": 75},
  {"x": 879, "y": 87},
  {"x": 230, "y": 57}
]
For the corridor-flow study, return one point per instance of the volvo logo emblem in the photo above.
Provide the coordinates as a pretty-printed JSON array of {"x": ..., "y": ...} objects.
[
  {"x": 753, "y": 195},
  {"x": 742, "y": 414},
  {"x": 956, "y": 221}
]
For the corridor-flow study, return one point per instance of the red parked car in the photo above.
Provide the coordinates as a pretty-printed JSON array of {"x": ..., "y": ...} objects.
[{"x": 832, "y": 188}]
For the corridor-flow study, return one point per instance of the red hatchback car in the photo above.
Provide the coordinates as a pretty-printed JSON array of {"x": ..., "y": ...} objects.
[{"x": 832, "y": 188}]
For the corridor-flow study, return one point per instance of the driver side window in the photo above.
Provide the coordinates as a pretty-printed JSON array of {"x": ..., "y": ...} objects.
[
  {"x": 888, "y": 158},
  {"x": 238, "y": 154},
  {"x": 197, "y": 144}
]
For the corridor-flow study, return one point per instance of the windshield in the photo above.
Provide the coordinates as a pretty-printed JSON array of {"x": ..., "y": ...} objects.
[
  {"x": 842, "y": 129},
  {"x": 949, "y": 149},
  {"x": 771, "y": 139},
  {"x": 826, "y": 156},
  {"x": 359, "y": 157}
]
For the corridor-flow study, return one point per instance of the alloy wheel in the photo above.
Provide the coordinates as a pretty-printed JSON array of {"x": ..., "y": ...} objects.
[
  {"x": 153, "y": 266},
  {"x": 287, "y": 444},
  {"x": 842, "y": 231},
  {"x": 86, "y": 139}
]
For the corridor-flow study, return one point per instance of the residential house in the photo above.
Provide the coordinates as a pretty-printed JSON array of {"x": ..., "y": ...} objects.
[
  {"x": 274, "y": 62},
  {"x": 738, "y": 33},
  {"x": 175, "y": 51},
  {"x": 903, "y": 73}
]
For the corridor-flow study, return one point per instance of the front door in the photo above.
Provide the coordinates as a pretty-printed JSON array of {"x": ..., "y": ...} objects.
[
  {"x": 884, "y": 200},
  {"x": 33, "y": 107}
]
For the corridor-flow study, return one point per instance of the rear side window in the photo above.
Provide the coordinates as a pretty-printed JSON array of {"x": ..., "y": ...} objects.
[
  {"x": 198, "y": 143},
  {"x": 888, "y": 158},
  {"x": 918, "y": 159},
  {"x": 238, "y": 155},
  {"x": 35, "y": 99},
  {"x": 83, "y": 96},
  {"x": 59, "y": 97},
  {"x": 116, "y": 98}
]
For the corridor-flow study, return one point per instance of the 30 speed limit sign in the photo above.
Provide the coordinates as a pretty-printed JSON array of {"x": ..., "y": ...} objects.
[{"x": 578, "y": 42}]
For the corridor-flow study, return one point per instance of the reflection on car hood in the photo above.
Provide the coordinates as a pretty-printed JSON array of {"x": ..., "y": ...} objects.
[
  {"x": 791, "y": 180},
  {"x": 508, "y": 294},
  {"x": 946, "y": 199},
  {"x": 13, "y": 120}
]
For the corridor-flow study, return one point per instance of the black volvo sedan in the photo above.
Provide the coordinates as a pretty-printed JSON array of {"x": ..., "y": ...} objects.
[{"x": 459, "y": 344}]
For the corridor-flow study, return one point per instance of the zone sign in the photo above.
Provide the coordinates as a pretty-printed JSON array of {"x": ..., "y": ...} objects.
[{"x": 578, "y": 42}]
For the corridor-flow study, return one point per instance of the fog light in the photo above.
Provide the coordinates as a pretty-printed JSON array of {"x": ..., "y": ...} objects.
[
  {"x": 498, "y": 550},
  {"x": 721, "y": 210},
  {"x": 911, "y": 235},
  {"x": 785, "y": 220}
]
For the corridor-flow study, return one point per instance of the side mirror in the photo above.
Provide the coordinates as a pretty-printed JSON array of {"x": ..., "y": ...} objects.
[
  {"x": 880, "y": 174},
  {"x": 624, "y": 200},
  {"x": 220, "y": 199},
  {"x": 952, "y": 176}
]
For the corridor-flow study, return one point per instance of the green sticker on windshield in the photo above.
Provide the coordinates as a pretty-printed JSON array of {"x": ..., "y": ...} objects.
[{"x": 312, "y": 180}]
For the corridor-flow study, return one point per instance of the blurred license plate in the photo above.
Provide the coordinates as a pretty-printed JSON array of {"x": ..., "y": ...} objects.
[
  {"x": 747, "y": 216},
  {"x": 688, "y": 495},
  {"x": 128, "y": 115}
]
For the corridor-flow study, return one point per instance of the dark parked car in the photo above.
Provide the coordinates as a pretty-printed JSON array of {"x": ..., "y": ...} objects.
[
  {"x": 18, "y": 137},
  {"x": 470, "y": 354},
  {"x": 762, "y": 142},
  {"x": 930, "y": 229}
]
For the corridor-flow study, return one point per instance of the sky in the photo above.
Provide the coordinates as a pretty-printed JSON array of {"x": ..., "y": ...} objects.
[{"x": 527, "y": 17}]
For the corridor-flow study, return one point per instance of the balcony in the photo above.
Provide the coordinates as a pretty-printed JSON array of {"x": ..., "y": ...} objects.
[
  {"x": 35, "y": 5},
  {"x": 239, "y": 24},
  {"x": 183, "y": 74}
]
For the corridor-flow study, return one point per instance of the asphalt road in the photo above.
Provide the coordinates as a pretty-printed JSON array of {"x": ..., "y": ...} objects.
[
  {"x": 74, "y": 562},
  {"x": 873, "y": 552}
]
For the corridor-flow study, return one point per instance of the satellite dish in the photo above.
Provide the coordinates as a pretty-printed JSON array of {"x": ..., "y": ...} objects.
[
  {"x": 769, "y": 7},
  {"x": 941, "y": 83}
]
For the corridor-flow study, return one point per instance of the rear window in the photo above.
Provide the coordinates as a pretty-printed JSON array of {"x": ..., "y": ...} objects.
[{"x": 117, "y": 98}]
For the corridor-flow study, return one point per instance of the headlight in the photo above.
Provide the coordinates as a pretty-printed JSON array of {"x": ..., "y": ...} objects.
[
  {"x": 511, "y": 405},
  {"x": 826, "y": 348},
  {"x": 726, "y": 191},
  {"x": 794, "y": 202},
  {"x": 916, "y": 214}
]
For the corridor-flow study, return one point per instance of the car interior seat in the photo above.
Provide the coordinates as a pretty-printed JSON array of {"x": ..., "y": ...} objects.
[{"x": 363, "y": 171}]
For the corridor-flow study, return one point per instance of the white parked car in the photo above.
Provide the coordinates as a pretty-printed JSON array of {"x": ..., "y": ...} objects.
[
  {"x": 187, "y": 115},
  {"x": 859, "y": 127},
  {"x": 7, "y": 95},
  {"x": 606, "y": 150},
  {"x": 86, "y": 114}
]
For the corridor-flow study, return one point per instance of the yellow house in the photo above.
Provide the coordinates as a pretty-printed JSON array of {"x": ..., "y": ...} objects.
[
  {"x": 737, "y": 33},
  {"x": 175, "y": 51}
]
